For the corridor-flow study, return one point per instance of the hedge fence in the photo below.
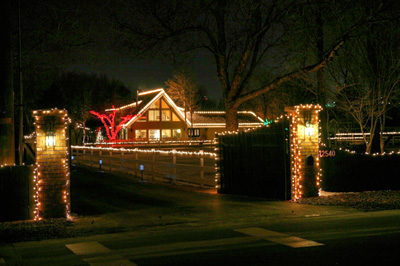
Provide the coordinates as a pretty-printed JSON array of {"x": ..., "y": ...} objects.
[{"x": 347, "y": 172}]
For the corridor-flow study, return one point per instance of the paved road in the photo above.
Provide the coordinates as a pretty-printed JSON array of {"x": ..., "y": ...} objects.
[
  {"x": 351, "y": 239},
  {"x": 166, "y": 225}
]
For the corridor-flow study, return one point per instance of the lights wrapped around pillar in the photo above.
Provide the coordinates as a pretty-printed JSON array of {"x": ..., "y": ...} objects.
[
  {"x": 52, "y": 174},
  {"x": 304, "y": 151}
]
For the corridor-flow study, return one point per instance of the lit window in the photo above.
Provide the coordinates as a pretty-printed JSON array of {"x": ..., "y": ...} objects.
[
  {"x": 140, "y": 133},
  {"x": 142, "y": 119},
  {"x": 175, "y": 117},
  {"x": 164, "y": 105},
  {"x": 154, "y": 134},
  {"x": 166, "y": 115},
  {"x": 154, "y": 115},
  {"x": 176, "y": 133},
  {"x": 166, "y": 133},
  {"x": 124, "y": 133},
  {"x": 155, "y": 105}
]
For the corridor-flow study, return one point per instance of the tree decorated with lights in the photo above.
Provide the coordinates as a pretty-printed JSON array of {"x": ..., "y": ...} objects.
[{"x": 109, "y": 123}]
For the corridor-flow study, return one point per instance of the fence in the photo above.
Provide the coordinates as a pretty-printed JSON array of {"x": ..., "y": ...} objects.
[{"x": 189, "y": 167}]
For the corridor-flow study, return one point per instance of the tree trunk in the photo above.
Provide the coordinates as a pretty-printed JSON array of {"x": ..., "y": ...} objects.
[
  {"x": 231, "y": 117},
  {"x": 375, "y": 141},
  {"x": 382, "y": 120}
]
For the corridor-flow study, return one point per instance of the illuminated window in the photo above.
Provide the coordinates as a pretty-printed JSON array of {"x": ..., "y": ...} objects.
[
  {"x": 175, "y": 117},
  {"x": 140, "y": 133},
  {"x": 166, "y": 133},
  {"x": 124, "y": 133},
  {"x": 164, "y": 105},
  {"x": 166, "y": 115},
  {"x": 155, "y": 105},
  {"x": 154, "y": 115},
  {"x": 154, "y": 134},
  {"x": 142, "y": 119},
  {"x": 176, "y": 133}
]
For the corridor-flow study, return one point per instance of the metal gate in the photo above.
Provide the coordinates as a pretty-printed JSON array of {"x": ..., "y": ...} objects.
[{"x": 255, "y": 163}]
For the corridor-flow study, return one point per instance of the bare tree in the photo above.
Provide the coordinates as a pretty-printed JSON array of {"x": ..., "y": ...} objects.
[
  {"x": 243, "y": 37},
  {"x": 185, "y": 91},
  {"x": 368, "y": 80}
]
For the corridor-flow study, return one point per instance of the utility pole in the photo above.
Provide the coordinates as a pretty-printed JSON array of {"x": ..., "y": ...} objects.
[
  {"x": 7, "y": 137},
  {"x": 21, "y": 93}
]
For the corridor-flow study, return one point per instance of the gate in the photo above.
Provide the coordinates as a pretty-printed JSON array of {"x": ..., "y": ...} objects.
[
  {"x": 256, "y": 162},
  {"x": 279, "y": 161}
]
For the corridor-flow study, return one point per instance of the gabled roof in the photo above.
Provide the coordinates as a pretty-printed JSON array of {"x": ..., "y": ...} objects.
[
  {"x": 201, "y": 119},
  {"x": 147, "y": 98}
]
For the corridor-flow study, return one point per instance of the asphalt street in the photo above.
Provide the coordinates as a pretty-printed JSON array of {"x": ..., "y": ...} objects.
[{"x": 171, "y": 225}]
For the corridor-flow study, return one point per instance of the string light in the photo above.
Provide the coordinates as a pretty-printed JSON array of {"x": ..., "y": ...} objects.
[
  {"x": 166, "y": 152},
  {"x": 125, "y": 106},
  {"x": 161, "y": 92},
  {"x": 157, "y": 142},
  {"x": 181, "y": 112},
  {"x": 113, "y": 135},
  {"x": 46, "y": 156},
  {"x": 298, "y": 135}
]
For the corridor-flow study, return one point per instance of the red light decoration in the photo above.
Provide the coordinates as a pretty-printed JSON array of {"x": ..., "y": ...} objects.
[{"x": 109, "y": 123}]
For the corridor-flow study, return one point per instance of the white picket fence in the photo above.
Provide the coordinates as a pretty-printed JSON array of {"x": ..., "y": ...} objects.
[{"x": 188, "y": 167}]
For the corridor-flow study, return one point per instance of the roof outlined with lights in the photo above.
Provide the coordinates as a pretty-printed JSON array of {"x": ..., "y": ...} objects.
[{"x": 201, "y": 119}]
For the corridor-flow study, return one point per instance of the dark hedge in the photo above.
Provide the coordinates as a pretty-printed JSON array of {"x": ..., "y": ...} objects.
[{"x": 346, "y": 172}]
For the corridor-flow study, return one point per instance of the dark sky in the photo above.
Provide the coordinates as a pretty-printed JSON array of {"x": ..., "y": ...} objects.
[{"x": 151, "y": 73}]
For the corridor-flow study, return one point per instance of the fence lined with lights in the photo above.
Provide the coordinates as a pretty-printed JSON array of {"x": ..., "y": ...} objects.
[
  {"x": 195, "y": 167},
  {"x": 52, "y": 173},
  {"x": 152, "y": 143}
]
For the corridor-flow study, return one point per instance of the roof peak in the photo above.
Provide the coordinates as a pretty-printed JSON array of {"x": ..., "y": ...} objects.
[{"x": 151, "y": 91}]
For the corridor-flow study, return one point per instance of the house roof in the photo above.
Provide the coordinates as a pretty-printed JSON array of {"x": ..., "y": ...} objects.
[
  {"x": 217, "y": 119},
  {"x": 147, "y": 98},
  {"x": 201, "y": 119}
]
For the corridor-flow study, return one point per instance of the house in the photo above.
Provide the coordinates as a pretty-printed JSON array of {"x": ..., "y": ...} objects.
[{"x": 157, "y": 117}]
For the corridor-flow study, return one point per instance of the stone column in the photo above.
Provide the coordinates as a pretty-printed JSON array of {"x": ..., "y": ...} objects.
[
  {"x": 52, "y": 166},
  {"x": 304, "y": 137}
]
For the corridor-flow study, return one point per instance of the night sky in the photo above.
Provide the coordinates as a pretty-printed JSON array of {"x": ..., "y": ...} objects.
[{"x": 151, "y": 73}]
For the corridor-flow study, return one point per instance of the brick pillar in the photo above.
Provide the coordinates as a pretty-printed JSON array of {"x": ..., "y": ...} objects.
[
  {"x": 304, "y": 137},
  {"x": 52, "y": 166}
]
